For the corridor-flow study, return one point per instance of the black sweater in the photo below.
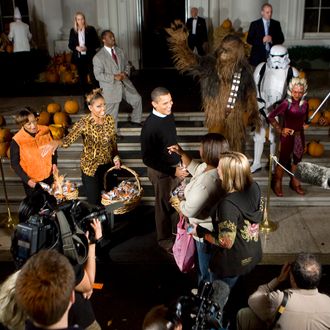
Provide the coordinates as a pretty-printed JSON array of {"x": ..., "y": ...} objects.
[{"x": 157, "y": 134}]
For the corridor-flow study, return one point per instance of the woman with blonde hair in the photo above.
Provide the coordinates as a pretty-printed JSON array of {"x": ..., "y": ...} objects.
[
  {"x": 83, "y": 42},
  {"x": 237, "y": 247}
]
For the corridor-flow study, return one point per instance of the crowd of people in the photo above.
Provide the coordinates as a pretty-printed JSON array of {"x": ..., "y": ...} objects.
[{"x": 222, "y": 202}]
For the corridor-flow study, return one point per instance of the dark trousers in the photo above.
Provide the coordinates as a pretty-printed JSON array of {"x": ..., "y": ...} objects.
[
  {"x": 165, "y": 214},
  {"x": 194, "y": 41},
  {"x": 29, "y": 190},
  {"x": 93, "y": 185}
]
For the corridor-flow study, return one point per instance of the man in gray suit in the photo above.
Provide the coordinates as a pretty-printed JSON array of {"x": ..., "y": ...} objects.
[{"x": 111, "y": 69}]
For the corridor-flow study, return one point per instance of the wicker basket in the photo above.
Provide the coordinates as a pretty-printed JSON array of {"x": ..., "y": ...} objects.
[
  {"x": 130, "y": 204},
  {"x": 71, "y": 195},
  {"x": 175, "y": 202}
]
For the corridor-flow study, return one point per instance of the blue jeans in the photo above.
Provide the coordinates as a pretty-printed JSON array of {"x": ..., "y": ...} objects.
[
  {"x": 204, "y": 256},
  {"x": 231, "y": 281}
]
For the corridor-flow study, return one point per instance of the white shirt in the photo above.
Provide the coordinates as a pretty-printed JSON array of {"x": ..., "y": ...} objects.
[
  {"x": 194, "y": 25},
  {"x": 20, "y": 35}
]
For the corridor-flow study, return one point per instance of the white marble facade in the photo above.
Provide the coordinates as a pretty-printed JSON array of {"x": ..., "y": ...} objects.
[{"x": 51, "y": 20}]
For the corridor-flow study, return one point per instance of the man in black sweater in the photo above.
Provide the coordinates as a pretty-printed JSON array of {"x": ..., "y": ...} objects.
[{"x": 157, "y": 134}]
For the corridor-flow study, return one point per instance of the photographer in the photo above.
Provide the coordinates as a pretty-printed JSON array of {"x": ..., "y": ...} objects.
[{"x": 39, "y": 210}]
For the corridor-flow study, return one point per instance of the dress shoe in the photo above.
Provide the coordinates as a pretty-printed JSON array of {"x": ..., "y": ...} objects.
[
  {"x": 297, "y": 188},
  {"x": 135, "y": 125}
]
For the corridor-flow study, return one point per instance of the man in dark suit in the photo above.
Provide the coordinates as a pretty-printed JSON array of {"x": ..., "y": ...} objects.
[
  {"x": 197, "y": 31},
  {"x": 263, "y": 34}
]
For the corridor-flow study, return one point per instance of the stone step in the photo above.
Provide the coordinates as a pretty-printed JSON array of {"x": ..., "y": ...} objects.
[{"x": 314, "y": 196}]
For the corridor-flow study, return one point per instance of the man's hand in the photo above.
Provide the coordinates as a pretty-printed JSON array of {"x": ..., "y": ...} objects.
[
  {"x": 267, "y": 38},
  {"x": 284, "y": 275},
  {"x": 120, "y": 76}
]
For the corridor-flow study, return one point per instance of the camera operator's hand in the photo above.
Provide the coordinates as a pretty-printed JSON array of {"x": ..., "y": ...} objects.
[{"x": 96, "y": 225}]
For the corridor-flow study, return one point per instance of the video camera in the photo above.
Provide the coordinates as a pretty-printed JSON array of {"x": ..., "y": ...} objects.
[
  {"x": 62, "y": 228},
  {"x": 204, "y": 310}
]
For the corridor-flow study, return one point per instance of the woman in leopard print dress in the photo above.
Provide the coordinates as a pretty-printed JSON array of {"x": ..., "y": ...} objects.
[{"x": 100, "y": 152}]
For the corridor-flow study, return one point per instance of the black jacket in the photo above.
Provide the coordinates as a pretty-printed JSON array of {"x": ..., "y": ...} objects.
[
  {"x": 92, "y": 42},
  {"x": 255, "y": 36}
]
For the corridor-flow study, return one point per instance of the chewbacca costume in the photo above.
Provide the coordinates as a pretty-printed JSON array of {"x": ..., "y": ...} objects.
[{"x": 227, "y": 85}]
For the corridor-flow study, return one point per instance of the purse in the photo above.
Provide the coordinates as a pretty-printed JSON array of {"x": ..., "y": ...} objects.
[{"x": 184, "y": 247}]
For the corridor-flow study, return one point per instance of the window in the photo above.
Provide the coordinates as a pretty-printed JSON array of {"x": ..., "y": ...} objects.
[
  {"x": 317, "y": 13},
  {"x": 7, "y": 12}
]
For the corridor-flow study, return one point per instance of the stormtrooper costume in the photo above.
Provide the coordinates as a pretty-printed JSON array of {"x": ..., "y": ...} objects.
[{"x": 271, "y": 80}]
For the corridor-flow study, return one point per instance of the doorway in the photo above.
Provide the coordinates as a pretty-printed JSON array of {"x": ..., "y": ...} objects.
[{"x": 156, "y": 16}]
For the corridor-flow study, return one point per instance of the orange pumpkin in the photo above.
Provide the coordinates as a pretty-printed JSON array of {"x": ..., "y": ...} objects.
[
  {"x": 53, "y": 107},
  {"x": 71, "y": 106},
  {"x": 57, "y": 131},
  {"x": 67, "y": 77},
  {"x": 316, "y": 118},
  {"x": 44, "y": 118},
  {"x": 52, "y": 77},
  {"x": 5, "y": 135},
  {"x": 61, "y": 118},
  {"x": 4, "y": 146},
  {"x": 326, "y": 115},
  {"x": 68, "y": 57},
  {"x": 315, "y": 149},
  {"x": 9, "y": 48},
  {"x": 302, "y": 74},
  {"x": 2, "y": 121},
  {"x": 313, "y": 103}
]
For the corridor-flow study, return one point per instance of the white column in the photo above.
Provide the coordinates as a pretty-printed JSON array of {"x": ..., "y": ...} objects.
[{"x": 243, "y": 12}]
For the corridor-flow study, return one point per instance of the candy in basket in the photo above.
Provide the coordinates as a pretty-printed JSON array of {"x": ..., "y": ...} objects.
[
  {"x": 61, "y": 189},
  {"x": 177, "y": 195},
  {"x": 129, "y": 191}
]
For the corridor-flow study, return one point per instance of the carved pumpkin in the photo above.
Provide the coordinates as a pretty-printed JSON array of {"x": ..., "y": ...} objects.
[
  {"x": 315, "y": 149},
  {"x": 61, "y": 118},
  {"x": 57, "y": 131},
  {"x": 71, "y": 106},
  {"x": 44, "y": 118},
  {"x": 5, "y": 135},
  {"x": 53, "y": 107},
  {"x": 316, "y": 118},
  {"x": 313, "y": 103},
  {"x": 2, "y": 121},
  {"x": 4, "y": 146}
]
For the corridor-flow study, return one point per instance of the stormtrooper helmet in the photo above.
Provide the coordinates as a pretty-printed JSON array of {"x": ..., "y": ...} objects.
[{"x": 278, "y": 57}]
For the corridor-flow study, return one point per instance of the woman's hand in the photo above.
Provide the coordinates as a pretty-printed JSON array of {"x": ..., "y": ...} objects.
[
  {"x": 287, "y": 131},
  {"x": 31, "y": 183},
  {"x": 117, "y": 163},
  {"x": 50, "y": 147},
  {"x": 176, "y": 149}
]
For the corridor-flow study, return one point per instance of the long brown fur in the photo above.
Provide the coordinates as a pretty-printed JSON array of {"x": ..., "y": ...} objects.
[{"x": 215, "y": 75}]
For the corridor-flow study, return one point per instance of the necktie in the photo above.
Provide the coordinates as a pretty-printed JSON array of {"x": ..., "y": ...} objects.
[
  {"x": 114, "y": 56},
  {"x": 267, "y": 46}
]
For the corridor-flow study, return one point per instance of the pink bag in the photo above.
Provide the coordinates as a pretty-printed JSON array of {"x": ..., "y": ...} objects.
[{"x": 184, "y": 247}]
